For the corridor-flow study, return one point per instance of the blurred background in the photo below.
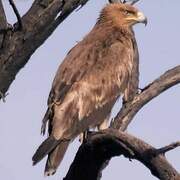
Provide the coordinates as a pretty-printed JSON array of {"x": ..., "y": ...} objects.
[{"x": 157, "y": 123}]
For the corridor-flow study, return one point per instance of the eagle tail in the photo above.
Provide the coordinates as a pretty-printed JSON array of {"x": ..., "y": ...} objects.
[
  {"x": 55, "y": 157},
  {"x": 45, "y": 148}
]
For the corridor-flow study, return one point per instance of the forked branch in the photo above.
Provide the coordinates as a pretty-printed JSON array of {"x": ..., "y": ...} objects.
[
  {"x": 106, "y": 144},
  {"x": 168, "y": 148},
  {"x": 38, "y": 24}
]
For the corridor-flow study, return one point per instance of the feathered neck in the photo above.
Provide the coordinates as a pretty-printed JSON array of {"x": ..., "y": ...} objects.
[
  {"x": 109, "y": 23},
  {"x": 109, "y": 26}
]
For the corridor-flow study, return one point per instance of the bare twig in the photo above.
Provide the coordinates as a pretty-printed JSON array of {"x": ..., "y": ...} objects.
[
  {"x": 134, "y": 2},
  {"x": 167, "y": 148},
  {"x": 20, "y": 25},
  {"x": 3, "y": 96},
  {"x": 115, "y": 1}
]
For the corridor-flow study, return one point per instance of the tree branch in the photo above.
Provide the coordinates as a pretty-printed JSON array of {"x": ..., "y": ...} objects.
[
  {"x": 129, "y": 110},
  {"x": 134, "y": 2},
  {"x": 3, "y": 24},
  {"x": 106, "y": 144},
  {"x": 167, "y": 148},
  {"x": 115, "y": 1},
  {"x": 38, "y": 24},
  {"x": 20, "y": 25}
]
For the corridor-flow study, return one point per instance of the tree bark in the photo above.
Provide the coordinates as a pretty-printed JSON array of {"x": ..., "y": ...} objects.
[
  {"x": 38, "y": 24},
  {"x": 106, "y": 144},
  {"x": 3, "y": 24}
]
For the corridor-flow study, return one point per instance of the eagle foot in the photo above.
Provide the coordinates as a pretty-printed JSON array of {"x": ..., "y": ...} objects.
[{"x": 83, "y": 137}]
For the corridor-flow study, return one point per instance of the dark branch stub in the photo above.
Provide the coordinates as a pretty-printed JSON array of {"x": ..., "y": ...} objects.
[
  {"x": 20, "y": 25},
  {"x": 134, "y": 2},
  {"x": 167, "y": 148},
  {"x": 3, "y": 96}
]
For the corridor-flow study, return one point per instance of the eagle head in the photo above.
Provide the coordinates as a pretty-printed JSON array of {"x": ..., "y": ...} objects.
[{"x": 122, "y": 15}]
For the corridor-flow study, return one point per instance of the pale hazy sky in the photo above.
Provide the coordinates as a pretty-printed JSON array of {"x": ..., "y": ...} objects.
[{"x": 158, "y": 123}]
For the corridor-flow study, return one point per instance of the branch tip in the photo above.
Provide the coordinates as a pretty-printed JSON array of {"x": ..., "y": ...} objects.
[
  {"x": 134, "y": 2},
  {"x": 167, "y": 148},
  {"x": 3, "y": 96}
]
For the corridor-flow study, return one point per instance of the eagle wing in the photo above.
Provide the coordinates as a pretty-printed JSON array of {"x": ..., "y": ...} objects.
[
  {"x": 133, "y": 83},
  {"x": 72, "y": 69}
]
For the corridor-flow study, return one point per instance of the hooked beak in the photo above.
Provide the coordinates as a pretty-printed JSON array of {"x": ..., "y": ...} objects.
[{"x": 141, "y": 18}]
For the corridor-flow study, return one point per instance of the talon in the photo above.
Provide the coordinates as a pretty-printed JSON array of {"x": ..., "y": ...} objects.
[{"x": 140, "y": 90}]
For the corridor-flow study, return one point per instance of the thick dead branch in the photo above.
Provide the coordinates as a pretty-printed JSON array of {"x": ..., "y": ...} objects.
[
  {"x": 38, "y": 24},
  {"x": 20, "y": 25},
  {"x": 129, "y": 110},
  {"x": 104, "y": 145}
]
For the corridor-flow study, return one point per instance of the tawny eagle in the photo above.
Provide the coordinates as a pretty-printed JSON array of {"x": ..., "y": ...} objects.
[{"x": 94, "y": 74}]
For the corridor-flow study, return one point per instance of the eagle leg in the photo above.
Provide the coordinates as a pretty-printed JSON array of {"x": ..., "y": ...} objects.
[
  {"x": 104, "y": 124},
  {"x": 84, "y": 136}
]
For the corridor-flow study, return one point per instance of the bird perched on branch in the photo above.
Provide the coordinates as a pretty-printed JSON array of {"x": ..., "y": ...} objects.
[{"x": 94, "y": 74}]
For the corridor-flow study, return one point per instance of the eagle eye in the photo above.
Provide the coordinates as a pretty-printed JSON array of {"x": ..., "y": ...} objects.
[{"x": 128, "y": 13}]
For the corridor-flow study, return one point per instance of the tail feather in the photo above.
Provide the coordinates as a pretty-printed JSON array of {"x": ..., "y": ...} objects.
[
  {"x": 55, "y": 157},
  {"x": 45, "y": 148}
]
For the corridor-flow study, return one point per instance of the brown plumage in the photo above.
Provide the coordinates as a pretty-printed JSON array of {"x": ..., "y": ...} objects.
[{"x": 100, "y": 68}]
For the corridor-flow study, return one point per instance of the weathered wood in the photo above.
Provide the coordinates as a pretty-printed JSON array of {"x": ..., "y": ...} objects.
[
  {"x": 93, "y": 155},
  {"x": 38, "y": 24}
]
